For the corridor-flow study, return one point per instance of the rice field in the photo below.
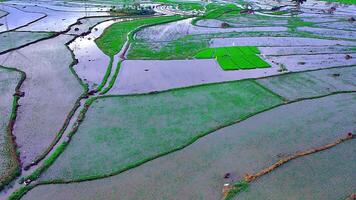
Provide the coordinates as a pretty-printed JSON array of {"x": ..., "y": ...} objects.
[
  {"x": 197, "y": 171},
  {"x": 173, "y": 119},
  {"x": 177, "y": 100}
]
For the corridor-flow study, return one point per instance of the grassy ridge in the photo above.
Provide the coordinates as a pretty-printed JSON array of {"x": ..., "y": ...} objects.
[{"x": 114, "y": 37}]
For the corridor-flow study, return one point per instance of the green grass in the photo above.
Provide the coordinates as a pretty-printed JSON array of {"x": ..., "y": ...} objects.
[
  {"x": 107, "y": 74},
  {"x": 234, "y": 58},
  {"x": 236, "y": 189},
  {"x": 125, "y": 131},
  {"x": 113, "y": 79},
  {"x": 342, "y": 1},
  {"x": 17, "y": 195},
  {"x": 114, "y": 37}
]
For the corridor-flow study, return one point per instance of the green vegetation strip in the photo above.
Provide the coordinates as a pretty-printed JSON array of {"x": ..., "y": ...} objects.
[
  {"x": 17, "y": 195},
  {"x": 172, "y": 120},
  {"x": 113, "y": 79},
  {"x": 46, "y": 164},
  {"x": 114, "y": 37},
  {"x": 107, "y": 74},
  {"x": 342, "y": 1},
  {"x": 233, "y": 58}
]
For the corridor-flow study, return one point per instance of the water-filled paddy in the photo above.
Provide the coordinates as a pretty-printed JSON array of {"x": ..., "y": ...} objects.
[
  {"x": 172, "y": 119},
  {"x": 197, "y": 172},
  {"x": 51, "y": 90}
]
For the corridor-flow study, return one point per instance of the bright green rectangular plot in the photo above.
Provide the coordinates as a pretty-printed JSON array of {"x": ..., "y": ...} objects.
[
  {"x": 241, "y": 62},
  {"x": 257, "y": 61},
  {"x": 235, "y": 57},
  {"x": 226, "y": 63}
]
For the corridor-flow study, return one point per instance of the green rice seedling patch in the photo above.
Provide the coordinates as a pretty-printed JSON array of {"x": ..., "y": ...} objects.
[
  {"x": 125, "y": 131},
  {"x": 234, "y": 58},
  {"x": 226, "y": 63},
  {"x": 205, "y": 54},
  {"x": 115, "y": 36},
  {"x": 342, "y": 1},
  {"x": 308, "y": 84}
]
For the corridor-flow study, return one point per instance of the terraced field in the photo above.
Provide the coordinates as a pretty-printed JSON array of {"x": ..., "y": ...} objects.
[{"x": 171, "y": 99}]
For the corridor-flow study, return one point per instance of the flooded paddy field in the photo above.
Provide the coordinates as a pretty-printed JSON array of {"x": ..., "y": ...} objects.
[
  {"x": 15, "y": 39},
  {"x": 173, "y": 120},
  {"x": 170, "y": 99},
  {"x": 197, "y": 172},
  {"x": 48, "y": 78}
]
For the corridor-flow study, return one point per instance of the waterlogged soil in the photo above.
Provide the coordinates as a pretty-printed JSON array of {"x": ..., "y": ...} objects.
[
  {"x": 277, "y": 41},
  {"x": 12, "y": 39},
  {"x": 3, "y": 13},
  {"x": 179, "y": 29},
  {"x": 51, "y": 90},
  {"x": 330, "y": 32},
  {"x": 314, "y": 83},
  {"x": 144, "y": 76},
  {"x": 308, "y": 62},
  {"x": 324, "y": 175},
  {"x": 197, "y": 172},
  {"x": 283, "y": 51},
  {"x": 16, "y": 18},
  {"x": 253, "y": 20},
  {"x": 8, "y": 82},
  {"x": 172, "y": 120},
  {"x": 240, "y": 23}
]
